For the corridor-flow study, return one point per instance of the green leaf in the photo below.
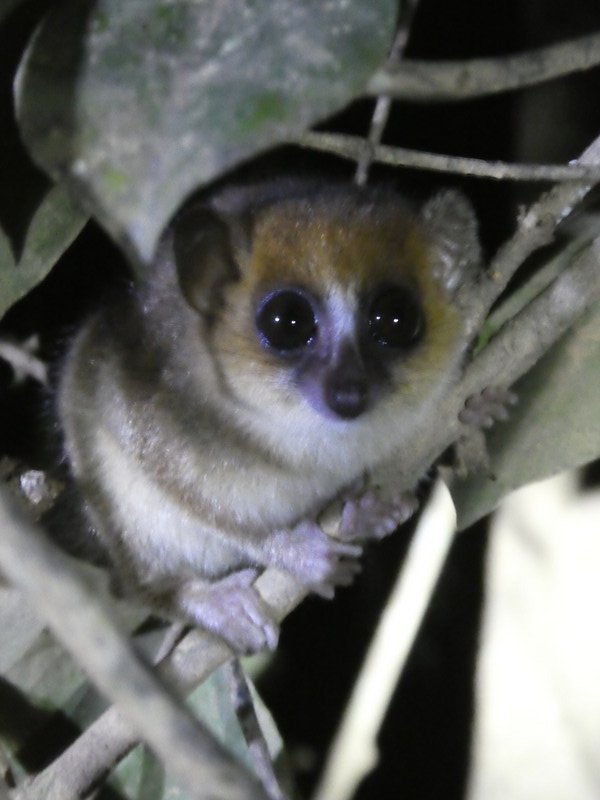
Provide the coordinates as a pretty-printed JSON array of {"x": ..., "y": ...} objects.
[
  {"x": 51, "y": 230},
  {"x": 140, "y": 777},
  {"x": 553, "y": 428},
  {"x": 137, "y": 104}
]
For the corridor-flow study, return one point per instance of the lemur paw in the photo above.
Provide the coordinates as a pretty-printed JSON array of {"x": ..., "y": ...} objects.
[
  {"x": 231, "y": 608},
  {"x": 369, "y": 516},
  {"x": 316, "y": 560},
  {"x": 489, "y": 406}
]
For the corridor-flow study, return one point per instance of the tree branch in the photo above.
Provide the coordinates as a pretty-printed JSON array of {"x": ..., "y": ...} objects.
[
  {"x": 423, "y": 81},
  {"x": 107, "y": 740},
  {"x": 84, "y": 625},
  {"x": 538, "y": 326},
  {"x": 536, "y": 228},
  {"x": 354, "y": 147},
  {"x": 383, "y": 105}
]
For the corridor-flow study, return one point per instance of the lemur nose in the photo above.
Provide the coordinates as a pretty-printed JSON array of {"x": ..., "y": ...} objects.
[
  {"x": 346, "y": 386},
  {"x": 347, "y": 397}
]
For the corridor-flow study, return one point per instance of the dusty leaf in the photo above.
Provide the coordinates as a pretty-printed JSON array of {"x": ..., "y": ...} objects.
[{"x": 137, "y": 104}]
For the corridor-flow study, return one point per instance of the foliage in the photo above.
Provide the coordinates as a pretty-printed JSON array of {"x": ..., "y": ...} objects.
[
  {"x": 169, "y": 95},
  {"x": 131, "y": 105}
]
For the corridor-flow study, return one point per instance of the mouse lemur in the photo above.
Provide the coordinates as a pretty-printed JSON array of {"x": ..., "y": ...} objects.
[{"x": 287, "y": 338}]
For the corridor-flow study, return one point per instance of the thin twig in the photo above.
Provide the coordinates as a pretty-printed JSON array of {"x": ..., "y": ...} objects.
[
  {"x": 78, "y": 618},
  {"x": 383, "y": 104},
  {"x": 523, "y": 295},
  {"x": 536, "y": 228},
  {"x": 22, "y": 359},
  {"x": 531, "y": 333},
  {"x": 427, "y": 81},
  {"x": 353, "y": 147},
  {"x": 258, "y": 748}
]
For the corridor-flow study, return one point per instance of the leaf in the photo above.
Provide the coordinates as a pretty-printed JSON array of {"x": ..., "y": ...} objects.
[
  {"x": 137, "y": 104},
  {"x": 51, "y": 230},
  {"x": 539, "y": 658},
  {"x": 141, "y": 776},
  {"x": 554, "y": 427}
]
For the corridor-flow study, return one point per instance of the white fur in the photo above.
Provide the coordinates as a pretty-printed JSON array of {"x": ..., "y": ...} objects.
[{"x": 166, "y": 536}]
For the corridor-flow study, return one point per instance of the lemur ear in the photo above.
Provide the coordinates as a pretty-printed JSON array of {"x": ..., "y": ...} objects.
[
  {"x": 208, "y": 251},
  {"x": 452, "y": 224}
]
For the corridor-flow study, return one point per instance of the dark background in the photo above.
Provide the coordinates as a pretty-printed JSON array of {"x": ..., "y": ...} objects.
[{"x": 425, "y": 738}]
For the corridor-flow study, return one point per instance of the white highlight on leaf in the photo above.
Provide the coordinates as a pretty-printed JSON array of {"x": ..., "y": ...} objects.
[{"x": 537, "y": 732}]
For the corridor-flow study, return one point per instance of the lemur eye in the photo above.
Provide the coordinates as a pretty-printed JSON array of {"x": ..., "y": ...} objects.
[
  {"x": 286, "y": 320},
  {"x": 396, "y": 318}
]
